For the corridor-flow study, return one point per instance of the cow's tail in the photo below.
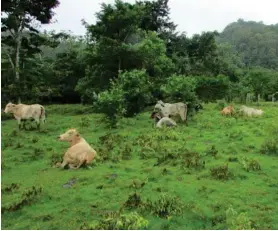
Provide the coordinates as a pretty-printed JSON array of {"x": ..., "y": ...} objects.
[{"x": 43, "y": 114}]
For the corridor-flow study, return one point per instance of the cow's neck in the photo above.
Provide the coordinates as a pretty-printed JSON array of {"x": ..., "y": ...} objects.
[{"x": 75, "y": 140}]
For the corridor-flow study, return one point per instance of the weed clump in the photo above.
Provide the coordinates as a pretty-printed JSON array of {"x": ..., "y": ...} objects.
[
  {"x": 118, "y": 221},
  {"x": 250, "y": 164},
  {"x": 166, "y": 206},
  {"x": 270, "y": 147},
  {"x": 237, "y": 221},
  {"x": 220, "y": 172},
  {"x": 35, "y": 139},
  {"x": 55, "y": 158},
  {"x": 10, "y": 188},
  {"x": 212, "y": 151},
  {"x": 133, "y": 201},
  {"x": 84, "y": 122},
  {"x": 26, "y": 198}
]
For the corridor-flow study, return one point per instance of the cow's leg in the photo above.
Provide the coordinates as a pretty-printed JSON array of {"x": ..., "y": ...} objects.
[
  {"x": 72, "y": 166},
  {"x": 38, "y": 123},
  {"x": 64, "y": 164},
  {"x": 19, "y": 123}
]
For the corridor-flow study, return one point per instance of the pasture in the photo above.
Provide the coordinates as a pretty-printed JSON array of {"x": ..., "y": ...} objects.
[{"x": 216, "y": 173}]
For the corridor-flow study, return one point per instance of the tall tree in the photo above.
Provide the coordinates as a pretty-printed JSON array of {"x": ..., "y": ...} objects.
[{"x": 18, "y": 22}]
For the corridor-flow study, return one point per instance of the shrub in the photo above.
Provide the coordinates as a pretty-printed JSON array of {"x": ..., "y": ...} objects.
[
  {"x": 237, "y": 222},
  {"x": 166, "y": 206},
  {"x": 118, "y": 221},
  {"x": 220, "y": 172},
  {"x": 270, "y": 147},
  {"x": 127, "y": 96},
  {"x": 210, "y": 89},
  {"x": 212, "y": 151},
  {"x": 180, "y": 88},
  {"x": 133, "y": 201},
  {"x": 249, "y": 164}
]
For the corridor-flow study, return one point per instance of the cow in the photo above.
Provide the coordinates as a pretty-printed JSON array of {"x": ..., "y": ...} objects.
[
  {"x": 23, "y": 112},
  {"x": 167, "y": 109},
  {"x": 248, "y": 111},
  {"x": 162, "y": 121},
  {"x": 79, "y": 153},
  {"x": 228, "y": 110}
]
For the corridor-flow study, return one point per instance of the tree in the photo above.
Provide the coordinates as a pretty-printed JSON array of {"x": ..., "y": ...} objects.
[{"x": 18, "y": 22}]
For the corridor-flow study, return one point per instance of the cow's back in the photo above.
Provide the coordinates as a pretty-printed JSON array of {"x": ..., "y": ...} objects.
[{"x": 33, "y": 110}]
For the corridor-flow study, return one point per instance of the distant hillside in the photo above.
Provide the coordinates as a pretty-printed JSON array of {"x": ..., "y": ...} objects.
[{"x": 255, "y": 43}]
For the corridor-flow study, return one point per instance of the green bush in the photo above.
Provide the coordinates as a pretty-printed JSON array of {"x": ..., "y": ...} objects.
[
  {"x": 211, "y": 89},
  {"x": 118, "y": 221},
  {"x": 180, "y": 88},
  {"x": 166, "y": 206},
  {"x": 237, "y": 221},
  {"x": 128, "y": 95}
]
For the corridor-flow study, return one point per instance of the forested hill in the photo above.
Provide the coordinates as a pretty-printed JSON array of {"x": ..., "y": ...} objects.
[{"x": 255, "y": 42}]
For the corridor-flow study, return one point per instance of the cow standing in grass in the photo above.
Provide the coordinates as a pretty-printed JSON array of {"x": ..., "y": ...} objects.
[
  {"x": 165, "y": 121},
  {"x": 248, "y": 111},
  {"x": 23, "y": 112},
  {"x": 228, "y": 110},
  {"x": 168, "y": 109},
  {"x": 80, "y": 152}
]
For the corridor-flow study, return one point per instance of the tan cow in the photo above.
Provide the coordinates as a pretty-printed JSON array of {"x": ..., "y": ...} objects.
[
  {"x": 23, "y": 112},
  {"x": 228, "y": 110},
  {"x": 165, "y": 121},
  {"x": 168, "y": 109},
  {"x": 80, "y": 152}
]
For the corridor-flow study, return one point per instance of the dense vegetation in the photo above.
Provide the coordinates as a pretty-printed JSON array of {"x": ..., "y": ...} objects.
[{"x": 131, "y": 57}]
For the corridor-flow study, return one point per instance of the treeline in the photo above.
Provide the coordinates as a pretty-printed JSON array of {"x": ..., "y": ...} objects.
[{"x": 128, "y": 59}]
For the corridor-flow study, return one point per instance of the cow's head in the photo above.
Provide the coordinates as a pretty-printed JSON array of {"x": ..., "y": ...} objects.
[
  {"x": 69, "y": 135},
  {"x": 155, "y": 115},
  {"x": 10, "y": 107}
]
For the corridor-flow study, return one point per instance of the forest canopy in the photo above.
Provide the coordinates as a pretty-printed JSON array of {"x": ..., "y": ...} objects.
[{"x": 132, "y": 56}]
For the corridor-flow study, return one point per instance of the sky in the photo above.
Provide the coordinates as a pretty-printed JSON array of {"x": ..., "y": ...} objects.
[{"x": 191, "y": 16}]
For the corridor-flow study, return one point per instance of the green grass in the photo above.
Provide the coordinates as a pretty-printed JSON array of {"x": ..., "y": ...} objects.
[{"x": 120, "y": 171}]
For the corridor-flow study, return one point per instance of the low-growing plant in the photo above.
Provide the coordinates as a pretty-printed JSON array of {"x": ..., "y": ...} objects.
[
  {"x": 55, "y": 158},
  {"x": 237, "y": 221},
  {"x": 212, "y": 151},
  {"x": 270, "y": 147},
  {"x": 10, "y": 188},
  {"x": 118, "y": 221},
  {"x": 19, "y": 145},
  {"x": 26, "y": 198},
  {"x": 249, "y": 164},
  {"x": 220, "y": 172},
  {"x": 35, "y": 139},
  {"x": 220, "y": 104},
  {"x": 133, "y": 201},
  {"x": 84, "y": 122},
  {"x": 166, "y": 206}
]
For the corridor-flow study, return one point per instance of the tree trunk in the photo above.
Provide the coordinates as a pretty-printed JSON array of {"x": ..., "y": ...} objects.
[{"x": 17, "y": 63}]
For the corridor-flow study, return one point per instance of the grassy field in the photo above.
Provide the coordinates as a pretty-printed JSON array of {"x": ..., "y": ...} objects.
[{"x": 215, "y": 173}]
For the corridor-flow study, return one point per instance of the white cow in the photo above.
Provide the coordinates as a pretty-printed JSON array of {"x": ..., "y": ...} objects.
[
  {"x": 248, "y": 111},
  {"x": 23, "y": 112},
  {"x": 168, "y": 109},
  {"x": 165, "y": 121}
]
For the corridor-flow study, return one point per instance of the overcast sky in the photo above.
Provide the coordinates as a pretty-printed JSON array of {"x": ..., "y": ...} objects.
[{"x": 191, "y": 16}]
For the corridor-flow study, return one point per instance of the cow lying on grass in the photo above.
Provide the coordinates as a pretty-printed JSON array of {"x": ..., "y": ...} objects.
[
  {"x": 168, "y": 109},
  {"x": 248, "y": 111},
  {"x": 162, "y": 121},
  {"x": 23, "y": 112},
  {"x": 228, "y": 110},
  {"x": 80, "y": 152}
]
